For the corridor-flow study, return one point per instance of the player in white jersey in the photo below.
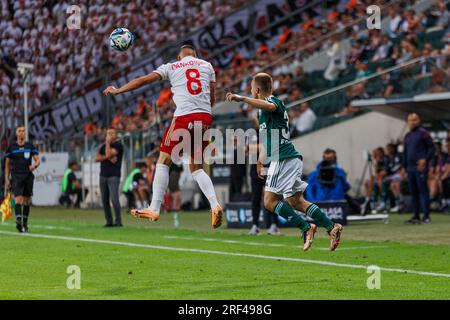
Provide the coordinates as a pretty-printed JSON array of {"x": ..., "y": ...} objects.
[{"x": 193, "y": 84}]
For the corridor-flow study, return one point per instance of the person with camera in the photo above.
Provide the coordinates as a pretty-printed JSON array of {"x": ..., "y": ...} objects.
[{"x": 328, "y": 181}]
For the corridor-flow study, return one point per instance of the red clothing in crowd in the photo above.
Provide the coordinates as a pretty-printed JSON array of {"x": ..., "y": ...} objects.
[{"x": 164, "y": 95}]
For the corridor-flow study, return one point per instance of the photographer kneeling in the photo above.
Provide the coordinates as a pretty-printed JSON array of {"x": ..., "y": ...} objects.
[{"x": 328, "y": 181}]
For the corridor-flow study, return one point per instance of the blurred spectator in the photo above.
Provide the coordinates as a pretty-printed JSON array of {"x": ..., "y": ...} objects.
[
  {"x": 388, "y": 82},
  {"x": 136, "y": 188},
  {"x": 392, "y": 178},
  {"x": 436, "y": 169},
  {"x": 378, "y": 170},
  {"x": 286, "y": 35},
  {"x": 90, "y": 128},
  {"x": 437, "y": 82},
  {"x": 36, "y": 32},
  {"x": 362, "y": 69},
  {"x": 70, "y": 185},
  {"x": 337, "y": 61},
  {"x": 445, "y": 178},
  {"x": 305, "y": 121}
]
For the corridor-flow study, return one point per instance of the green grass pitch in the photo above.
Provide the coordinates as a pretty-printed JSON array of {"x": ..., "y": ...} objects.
[{"x": 147, "y": 260}]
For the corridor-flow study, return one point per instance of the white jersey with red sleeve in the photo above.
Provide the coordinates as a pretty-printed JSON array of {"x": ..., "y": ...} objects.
[{"x": 190, "y": 79}]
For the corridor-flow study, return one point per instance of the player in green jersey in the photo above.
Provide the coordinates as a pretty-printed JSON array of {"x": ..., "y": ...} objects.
[{"x": 286, "y": 165}]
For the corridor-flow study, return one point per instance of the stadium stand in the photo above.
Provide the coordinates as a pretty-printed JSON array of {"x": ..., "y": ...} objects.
[{"x": 36, "y": 32}]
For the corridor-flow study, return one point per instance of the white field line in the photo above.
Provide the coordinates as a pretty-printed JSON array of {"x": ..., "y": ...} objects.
[
  {"x": 266, "y": 244},
  {"x": 40, "y": 227},
  {"x": 223, "y": 253}
]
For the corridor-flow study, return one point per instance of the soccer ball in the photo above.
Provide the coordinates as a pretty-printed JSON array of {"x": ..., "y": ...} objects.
[{"x": 121, "y": 39}]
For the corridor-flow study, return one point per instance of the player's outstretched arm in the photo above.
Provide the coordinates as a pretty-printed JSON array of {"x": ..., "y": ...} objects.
[
  {"x": 257, "y": 103},
  {"x": 133, "y": 84}
]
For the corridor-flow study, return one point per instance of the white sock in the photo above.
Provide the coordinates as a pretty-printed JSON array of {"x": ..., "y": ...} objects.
[
  {"x": 138, "y": 204},
  {"x": 160, "y": 183},
  {"x": 206, "y": 185}
]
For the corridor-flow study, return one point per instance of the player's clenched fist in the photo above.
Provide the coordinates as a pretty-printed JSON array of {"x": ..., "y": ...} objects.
[
  {"x": 110, "y": 90},
  {"x": 234, "y": 97}
]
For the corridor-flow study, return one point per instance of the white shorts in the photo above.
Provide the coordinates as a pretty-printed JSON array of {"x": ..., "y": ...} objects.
[{"x": 285, "y": 177}]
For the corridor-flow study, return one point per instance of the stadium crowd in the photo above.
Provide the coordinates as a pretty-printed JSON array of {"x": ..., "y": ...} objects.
[
  {"x": 403, "y": 39},
  {"x": 36, "y": 32},
  {"x": 387, "y": 185}
]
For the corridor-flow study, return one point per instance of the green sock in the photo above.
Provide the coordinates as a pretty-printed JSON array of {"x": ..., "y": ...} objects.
[
  {"x": 318, "y": 215},
  {"x": 375, "y": 191},
  {"x": 285, "y": 210},
  {"x": 385, "y": 191}
]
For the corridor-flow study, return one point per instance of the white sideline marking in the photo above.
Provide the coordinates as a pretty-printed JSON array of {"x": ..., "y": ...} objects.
[
  {"x": 40, "y": 227},
  {"x": 223, "y": 253},
  {"x": 265, "y": 244}
]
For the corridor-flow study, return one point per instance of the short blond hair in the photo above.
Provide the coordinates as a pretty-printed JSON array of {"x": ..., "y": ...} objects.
[{"x": 263, "y": 81}]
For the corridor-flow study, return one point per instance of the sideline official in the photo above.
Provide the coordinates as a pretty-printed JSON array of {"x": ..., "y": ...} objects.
[
  {"x": 419, "y": 151},
  {"x": 19, "y": 164}
]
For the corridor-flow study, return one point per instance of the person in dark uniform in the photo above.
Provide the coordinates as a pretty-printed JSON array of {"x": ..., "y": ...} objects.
[
  {"x": 419, "y": 151},
  {"x": 175, "y": 192},
  {"x": 110, "y": 158},
  {"x": 237, "y": 170},
  {"x": 19, "y": 164},
  {"x": 257, "y": 184}
]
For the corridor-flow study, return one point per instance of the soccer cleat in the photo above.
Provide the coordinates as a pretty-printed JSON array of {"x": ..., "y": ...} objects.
[
  {"x": 426, "y": 220},
  {"x": 19, "y": 228},
  {"x": 273, "y": 230},
  {"x": 145, "y": 214},
  {"x": 396, "y": 209},
  {"x": 413, "y": 221},
  {"x": 381, "y": 207},
  {"x": 216, "y": 216},
  {"x": 254, "y": 231},
  {"x": 308, "y": 237},
  {"x": 335, "y": 236}
]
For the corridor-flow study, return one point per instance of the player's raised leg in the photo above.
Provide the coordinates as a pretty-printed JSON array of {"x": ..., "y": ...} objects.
[
  {"x": 312, "y": 210},
  {"x": 274, "y": 203},
  {"x": 207, "y": 187},
  {"x": 160, "y": 183}
]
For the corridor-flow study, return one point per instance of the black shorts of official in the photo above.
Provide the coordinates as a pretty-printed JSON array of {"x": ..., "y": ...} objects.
[{"x": 22, "y": 185}]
